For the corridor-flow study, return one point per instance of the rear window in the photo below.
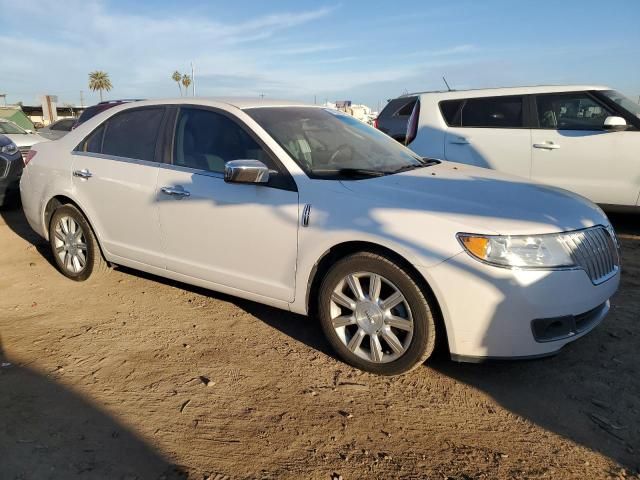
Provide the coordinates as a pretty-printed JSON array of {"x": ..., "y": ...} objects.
[
  {"x": 399, "y": 107},
  {"x": 133, "y": 134},
  {"x": 497, "y": 112},
  {"x": 449, "y": 110},
  {"x": 490, "y": 112},
  {"x": 129, "y": 134}
]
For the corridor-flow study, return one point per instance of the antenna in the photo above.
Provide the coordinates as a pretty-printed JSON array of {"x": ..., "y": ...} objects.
[{"x": 445, "y": 82}]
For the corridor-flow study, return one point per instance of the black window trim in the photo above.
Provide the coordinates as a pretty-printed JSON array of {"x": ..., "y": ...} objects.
[
  {"x": 78, "y": 150},
  {"x": 526, "y": 110},
  {"x": 283, "y": 179},
  {"x": 589, "y": 93}
]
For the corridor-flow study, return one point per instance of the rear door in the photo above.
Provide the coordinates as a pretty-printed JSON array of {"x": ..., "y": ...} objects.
[
  {"x": 489, "y": 132},
  {"x": 571, "y": 150},
  {"x": 115, "y": 171}
]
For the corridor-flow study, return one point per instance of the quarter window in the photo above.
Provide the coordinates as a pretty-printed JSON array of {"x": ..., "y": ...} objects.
[
  {"x": 573, "y": 111},
  {"x": 492, "y": 112},
  {"x": 206, "y": 140},
  {"x": 133, "y": 134}
]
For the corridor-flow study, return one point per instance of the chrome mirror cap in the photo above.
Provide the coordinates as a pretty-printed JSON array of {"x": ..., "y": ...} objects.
[
  {"x": 246, "y": 171},
  {"x": 615, "y": 123}
]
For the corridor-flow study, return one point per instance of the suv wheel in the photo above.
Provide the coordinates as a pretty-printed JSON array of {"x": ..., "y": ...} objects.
[{"x": 375, "y": 316}]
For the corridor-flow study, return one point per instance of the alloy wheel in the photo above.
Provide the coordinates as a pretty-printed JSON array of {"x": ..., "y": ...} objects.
[
  {"x": 371, "y": 317},
  {"x": 70, "y": 244}
]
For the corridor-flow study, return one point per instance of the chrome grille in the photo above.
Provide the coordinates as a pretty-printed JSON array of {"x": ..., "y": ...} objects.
[{"x": 594, "y": 250}]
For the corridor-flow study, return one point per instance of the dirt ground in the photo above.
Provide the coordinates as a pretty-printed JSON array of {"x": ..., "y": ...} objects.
[{"x": 139, "y": 377}]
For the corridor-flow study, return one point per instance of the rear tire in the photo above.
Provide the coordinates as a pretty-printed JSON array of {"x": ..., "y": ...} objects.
[
  {"x": 375, "y": 315},
  {"x": 74, "y": 246}
]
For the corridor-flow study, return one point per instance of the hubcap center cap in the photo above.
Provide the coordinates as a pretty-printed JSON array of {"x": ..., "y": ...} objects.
[{"x": 369, "y": 316}]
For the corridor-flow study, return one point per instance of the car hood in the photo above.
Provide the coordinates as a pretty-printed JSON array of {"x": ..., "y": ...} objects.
[
  {"x": 480, "y": 200},
  {"x": 25, "y": 139}
]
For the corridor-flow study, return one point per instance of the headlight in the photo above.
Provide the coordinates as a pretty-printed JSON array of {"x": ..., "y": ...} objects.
[
  {"x": 526, "y": 251},
  {"x": 9, "y": 149}
]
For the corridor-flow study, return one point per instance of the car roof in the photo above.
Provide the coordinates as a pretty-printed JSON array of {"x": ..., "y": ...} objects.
[
  {"x": 238, "y": 102},
  {"x": 525, "y": 90}
]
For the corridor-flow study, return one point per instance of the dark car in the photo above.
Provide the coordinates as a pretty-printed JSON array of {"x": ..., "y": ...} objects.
[
  {"x": 94, "y": 110},
  {"x": 11, "y": 166},
  {"x": 394, "y": 117},
  {"x": 57, "y": 129}
]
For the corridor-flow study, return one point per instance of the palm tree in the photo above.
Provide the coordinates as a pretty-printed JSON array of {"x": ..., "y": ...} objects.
[
  {"x": 177, "y": 77},
  {"x": 99, "y": 80},
  {"x": 186, "y": 81}
]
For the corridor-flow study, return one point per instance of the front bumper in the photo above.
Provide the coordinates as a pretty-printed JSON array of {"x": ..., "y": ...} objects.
[{"x": 492, "y": 312}]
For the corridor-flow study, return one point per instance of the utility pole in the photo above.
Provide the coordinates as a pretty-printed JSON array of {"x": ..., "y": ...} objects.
[
  {"x": 193, "y": 81},
  {"x": 314, "y": 100},
  {"x": 81, "y": 99},
  {"x": 261, "y": 96}
]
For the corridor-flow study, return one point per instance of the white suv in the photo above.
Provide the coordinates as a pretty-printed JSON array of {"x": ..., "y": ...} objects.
[{"x": 582, "y": 138}]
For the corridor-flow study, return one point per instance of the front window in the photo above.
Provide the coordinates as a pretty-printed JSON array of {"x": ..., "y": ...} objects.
[
  {"x": 9, "y": 128},
  {"x": 629, "y": 105},
  {"x": 570, "y": 111},
  {"x": 330, "y": 145}
]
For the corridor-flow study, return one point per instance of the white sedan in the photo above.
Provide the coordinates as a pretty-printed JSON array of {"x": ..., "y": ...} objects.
[{"x": 309, "y": 210}]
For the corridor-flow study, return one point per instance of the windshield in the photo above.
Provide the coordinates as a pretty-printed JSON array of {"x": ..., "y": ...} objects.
[
  {"x": 9, "y": 128},
  {"x": 623, "y": 101},
  {"x": 329, "y": 144}
]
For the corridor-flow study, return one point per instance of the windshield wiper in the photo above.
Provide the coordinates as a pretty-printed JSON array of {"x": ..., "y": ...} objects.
[
  {"x": 351, "y": 172},
  {"x": 426, "y": 162}
]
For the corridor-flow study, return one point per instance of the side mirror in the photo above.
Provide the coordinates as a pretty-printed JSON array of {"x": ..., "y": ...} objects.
[
  {"x": 246, "y": 171},
  {"x": 615, "y": 124}
]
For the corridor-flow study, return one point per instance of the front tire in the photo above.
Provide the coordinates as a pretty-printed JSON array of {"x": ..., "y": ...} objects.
[
  {"x": 74, "y": 246},
  {"x": 375, "y": 315}
]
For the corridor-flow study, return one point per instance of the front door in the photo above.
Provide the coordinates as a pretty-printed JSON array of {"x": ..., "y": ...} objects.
[
  {"x": 571, "y": 150},
  {"x": 240, "y": 236}
]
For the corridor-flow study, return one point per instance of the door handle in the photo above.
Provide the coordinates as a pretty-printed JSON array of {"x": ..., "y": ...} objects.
[
  {"x": 546, "y": 146},
  {"x": 459, "y": 141},
  {"x": 84, "y": 173},
  {"x": 176, "y": 192}
]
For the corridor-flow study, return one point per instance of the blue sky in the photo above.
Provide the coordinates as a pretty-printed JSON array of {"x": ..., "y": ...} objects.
[{"x": 366, "y": 51}]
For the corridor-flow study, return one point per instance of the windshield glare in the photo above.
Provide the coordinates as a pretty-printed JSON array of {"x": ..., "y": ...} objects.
[
  {"x": 623, "y": 101},
  {"x": 9, "y": 128},
  {"x": 327, "y": 144}
]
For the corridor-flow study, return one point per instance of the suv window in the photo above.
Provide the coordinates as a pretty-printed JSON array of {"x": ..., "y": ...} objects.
[
  {"x": 206, "y": 140},
  {"x": 399, "y": 107},
  {"x": 572, "y": 111},
  {"x": 449, "y": 110},
  {"x": 133, "y": 134},
  {"x": 491, "y": 112}
]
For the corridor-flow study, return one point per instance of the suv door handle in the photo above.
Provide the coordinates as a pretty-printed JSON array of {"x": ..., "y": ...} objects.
[
  {"x": 459, "y": 141},
  {"x": 84, "y": 173},
  {"x": 546, "y": 146},
  {"x": 176, "y": 192}
]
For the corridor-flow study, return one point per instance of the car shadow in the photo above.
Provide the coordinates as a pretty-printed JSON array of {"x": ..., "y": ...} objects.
[{"x": 49, "y": 431}]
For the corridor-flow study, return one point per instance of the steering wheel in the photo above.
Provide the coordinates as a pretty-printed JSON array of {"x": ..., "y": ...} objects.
[{"x": 342, "y": 148}]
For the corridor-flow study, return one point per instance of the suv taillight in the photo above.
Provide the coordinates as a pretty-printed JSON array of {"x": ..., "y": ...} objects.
[
  {"x": 375, "y": 123},
  {"x": 412, "y": 125},
  {"x": 30, "y": 154}
]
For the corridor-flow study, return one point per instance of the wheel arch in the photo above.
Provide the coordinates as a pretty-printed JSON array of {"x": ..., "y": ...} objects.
[
  {"x": 341, "y": 250},
  {"x": 60, "y": 200}
]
